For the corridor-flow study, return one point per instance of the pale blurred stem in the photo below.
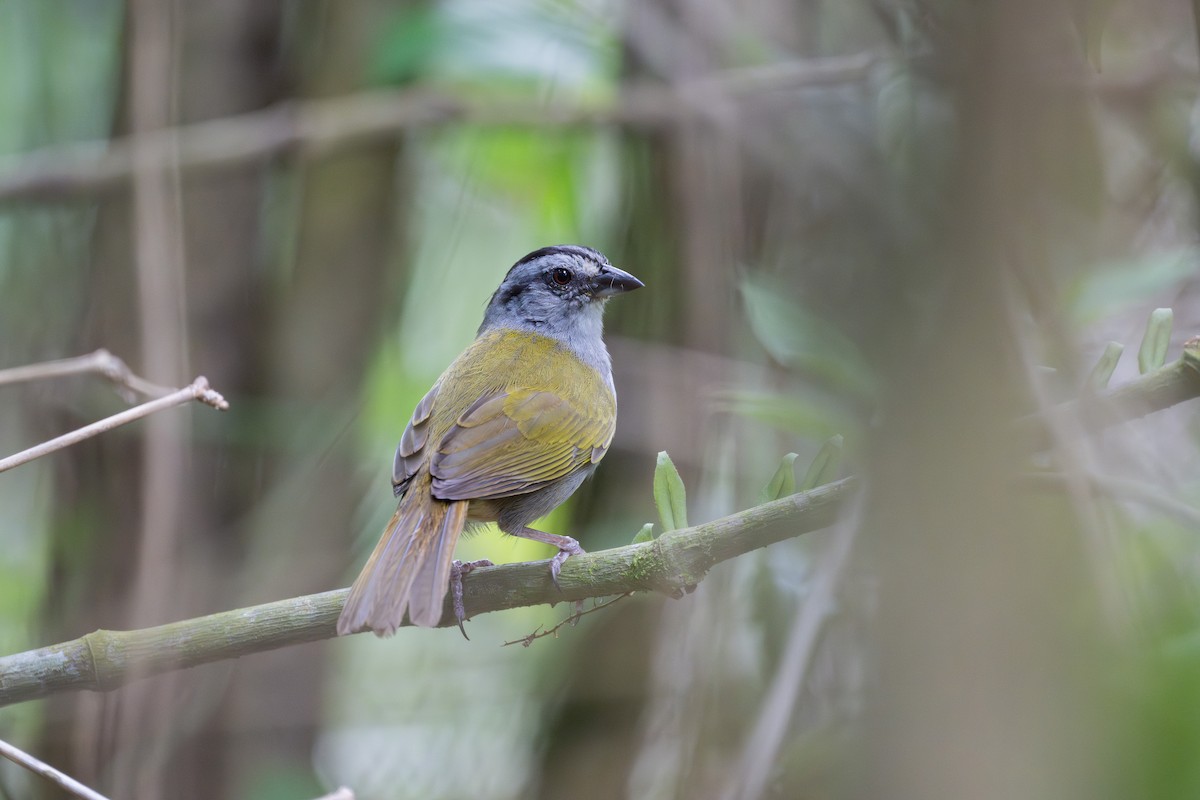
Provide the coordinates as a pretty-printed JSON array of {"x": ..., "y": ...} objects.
[
  {"x": 324, "y": 127},
  {"x": 159, "y": 269},
  {"x": 38, "y": 767},
  {"x": 761, "y": 748},
  {"x": 100, "y": 362},
  {"x": 104, "y": 660},
  {"x": 1118, "y": 488},
  {"x": 341, "y": 793},
  {"x": 198, "y": 390}
]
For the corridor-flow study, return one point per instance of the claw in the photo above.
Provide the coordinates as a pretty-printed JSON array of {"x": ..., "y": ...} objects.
[
  {"x": 567, "y": 547},
  {"x": 457, "y": 570}
]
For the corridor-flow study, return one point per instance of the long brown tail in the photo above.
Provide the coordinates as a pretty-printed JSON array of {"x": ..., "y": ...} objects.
[{"x": 410, "y": 567}]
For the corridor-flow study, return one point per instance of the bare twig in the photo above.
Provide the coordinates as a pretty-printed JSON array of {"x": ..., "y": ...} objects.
[
  {"x": 323, "y": 127},
  {"x": 100, "y": 362},
  {"x": 66, "y": 782},
  {"x": 104, "y": 660},
  {"x": 199, "y": 390},
  {"x": 525, "y": 641}
]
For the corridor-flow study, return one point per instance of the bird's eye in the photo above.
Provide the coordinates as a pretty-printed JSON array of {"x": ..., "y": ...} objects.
[{"x": 560, "y": 276}]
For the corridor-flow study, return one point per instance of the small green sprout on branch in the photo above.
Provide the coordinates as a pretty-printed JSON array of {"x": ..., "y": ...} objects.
[{"x": 678, "y": 558}]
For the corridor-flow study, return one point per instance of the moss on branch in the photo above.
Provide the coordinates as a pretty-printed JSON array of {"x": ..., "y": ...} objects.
[
  {"x": 103, "y": 660},
  {"x": 673, "y": 563}
]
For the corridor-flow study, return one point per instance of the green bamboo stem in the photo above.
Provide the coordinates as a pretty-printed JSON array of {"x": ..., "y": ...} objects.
[
  {"x": 1167, "y": 386},
  {"x": 673, "y": 563},
  {"x": 104, "y": 660}
]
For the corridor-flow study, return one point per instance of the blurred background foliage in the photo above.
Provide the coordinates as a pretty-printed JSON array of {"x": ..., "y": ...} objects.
[{"x": 904, "y": 222}]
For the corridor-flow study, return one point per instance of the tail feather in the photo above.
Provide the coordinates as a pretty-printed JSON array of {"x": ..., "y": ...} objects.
[
  {"x": 427, "y": 593},
  {"x": 408, "y": 567}
]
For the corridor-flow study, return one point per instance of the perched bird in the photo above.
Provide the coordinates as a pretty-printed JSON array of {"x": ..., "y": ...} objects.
[{"x": 508, "y": 432}]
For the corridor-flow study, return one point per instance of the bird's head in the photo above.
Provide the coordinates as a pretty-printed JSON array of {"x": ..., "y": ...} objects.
[{"x": 558, "y": 291}]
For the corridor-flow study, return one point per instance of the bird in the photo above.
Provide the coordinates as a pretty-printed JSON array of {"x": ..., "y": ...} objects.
[{"x": 507, "y": 433}]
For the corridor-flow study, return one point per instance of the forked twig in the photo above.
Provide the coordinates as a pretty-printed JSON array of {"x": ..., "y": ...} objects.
[
  {"x": 525, "y": 641},
  {"x": 198, "y": 390},
  {"x": 100, "y": 362},
  {"x": 20, "y": 757}
]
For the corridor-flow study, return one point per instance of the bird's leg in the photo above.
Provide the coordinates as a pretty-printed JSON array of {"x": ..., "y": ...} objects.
[
  {"x": 457, "y": 570},
  {"x": 567, "y": 547}
]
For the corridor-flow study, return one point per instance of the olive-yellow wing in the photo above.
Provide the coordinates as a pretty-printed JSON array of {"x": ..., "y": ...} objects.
[{"x": 517, "y": 441}]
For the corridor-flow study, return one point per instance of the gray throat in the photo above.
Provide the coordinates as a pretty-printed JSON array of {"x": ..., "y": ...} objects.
[{"x": 581, "y": 332}]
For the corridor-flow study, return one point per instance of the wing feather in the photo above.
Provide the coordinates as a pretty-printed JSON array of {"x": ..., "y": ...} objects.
[
  {"x": 516, "y": 441},
  {"x": 411, "y": 450}
]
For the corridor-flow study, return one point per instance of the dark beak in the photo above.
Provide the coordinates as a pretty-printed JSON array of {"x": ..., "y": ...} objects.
[{"x": 610, "y": 281}]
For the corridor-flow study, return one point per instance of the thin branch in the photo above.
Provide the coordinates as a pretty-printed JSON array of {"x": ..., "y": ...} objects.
[
  {"x": 540, "y": 633},
  {"x": 1172, "y": 384},
  {"x": 48, "y": 772},
  {"x": 199, "y": 390},
  {"x": 324, "y": 127},
  {"x": 100, "y": 362},
  {"x": 677, "y": 560}
]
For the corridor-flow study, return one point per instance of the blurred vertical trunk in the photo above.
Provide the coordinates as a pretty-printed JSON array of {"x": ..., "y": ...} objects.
[
  {"x": 265, "y": 512},
  {"x": 325, "y": 327},
  {"x": 221, "y": 61},
  {"x": 641, "y": 706},
  {"x": 985, "y": 629}
]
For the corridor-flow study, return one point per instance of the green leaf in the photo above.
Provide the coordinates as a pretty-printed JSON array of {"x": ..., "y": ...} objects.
[
  {"x": 799, "y": 338},
  {"x": 409, "y": 45},
  {"x": 1103, "y": 371},
  {"x": 804, "y": 414},
  {"x": 1106, "y": 289},
  {"x": 824, "y": 467},
  {"x": 1156, "y": 342},
  {"x": 646, "y": 534},
  {"x": 669, "y": 494},
  {"x": 783, "y": 482}
]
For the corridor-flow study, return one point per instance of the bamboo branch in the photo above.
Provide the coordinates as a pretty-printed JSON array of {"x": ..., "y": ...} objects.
[
  {"x": 1165, "y": 387},
  {"x": 673, "y": 563},
  {"x": 325, "y": 127}
]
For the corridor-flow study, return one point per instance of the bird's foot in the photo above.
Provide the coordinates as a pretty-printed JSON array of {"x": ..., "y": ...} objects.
[
  {"x": 567, "y": 547},
  {"x": 457, "y": 570}
]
